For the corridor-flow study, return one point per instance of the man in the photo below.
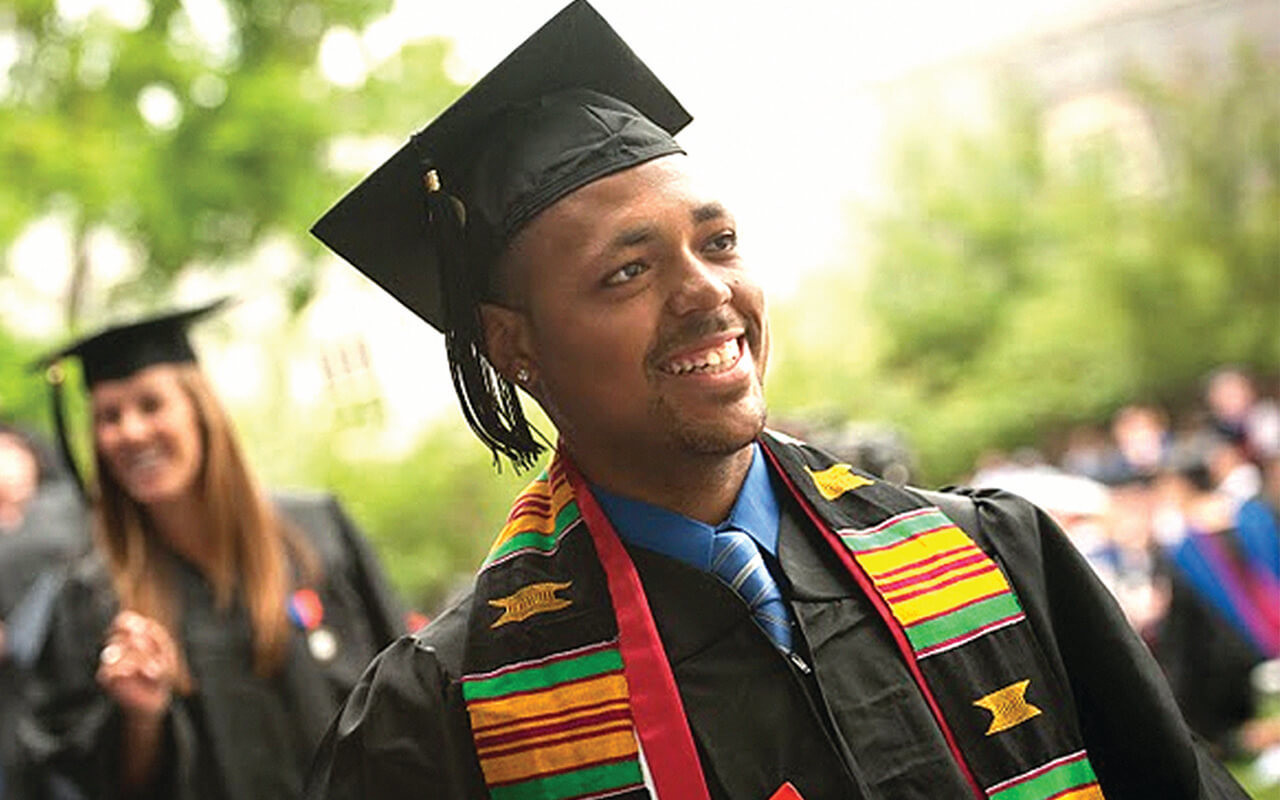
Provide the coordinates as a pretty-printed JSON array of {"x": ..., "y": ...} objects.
[{"x": 685, "y": 605}]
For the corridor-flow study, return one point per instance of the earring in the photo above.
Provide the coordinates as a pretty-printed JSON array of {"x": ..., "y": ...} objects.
[{"x": 522, "y": 375}]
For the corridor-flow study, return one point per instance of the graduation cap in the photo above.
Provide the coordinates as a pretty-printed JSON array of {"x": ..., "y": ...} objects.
[
  {"x": 118, "y": 352},
  {"x": 570, "y": 105}
]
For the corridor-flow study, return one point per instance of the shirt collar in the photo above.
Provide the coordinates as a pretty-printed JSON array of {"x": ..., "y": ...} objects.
[{"x": 653, "y": 528}]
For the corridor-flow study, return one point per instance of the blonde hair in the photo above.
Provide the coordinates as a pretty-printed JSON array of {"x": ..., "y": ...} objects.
[{"x": 254, "y": 550}]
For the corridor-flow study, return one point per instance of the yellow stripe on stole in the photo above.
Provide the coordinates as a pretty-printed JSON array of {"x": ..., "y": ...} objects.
[
  {"x": 967, "y": 552},
  {"x": 557, "y": 758},
  {"x": 508, "y": 710},
  {"x": 1091, "y": 792},
  {"x": 543, "y": 522},
  {"x": 949, "y": 597},
  {"x": 570, "y": 715},
  {"x": 913, "y": 550}
]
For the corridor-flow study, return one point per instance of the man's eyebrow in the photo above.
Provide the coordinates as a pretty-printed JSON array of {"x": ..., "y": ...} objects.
[
  {"x": 643, "y": 233},
  {"x": 632, "y": 237},
  {"x": 709, "y": 211}
]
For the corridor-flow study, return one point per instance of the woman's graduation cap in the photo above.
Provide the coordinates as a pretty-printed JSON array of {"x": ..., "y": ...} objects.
[
  {"x": 570, "y": 105},
  {"x": 118, "y": 352}
]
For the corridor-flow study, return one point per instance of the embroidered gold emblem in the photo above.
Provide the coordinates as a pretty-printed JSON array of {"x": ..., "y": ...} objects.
[
  {"x": 1008, "y": 706},
  {"x": 536, "y": 598},
  {"x": 836, "y": 480}
]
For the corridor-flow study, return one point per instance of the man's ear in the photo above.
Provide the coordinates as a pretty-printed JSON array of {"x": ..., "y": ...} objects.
[{"x": 507, "y": 343}]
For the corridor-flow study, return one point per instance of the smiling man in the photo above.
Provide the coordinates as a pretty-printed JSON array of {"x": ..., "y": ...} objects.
[{"x": 683, "y": 604}]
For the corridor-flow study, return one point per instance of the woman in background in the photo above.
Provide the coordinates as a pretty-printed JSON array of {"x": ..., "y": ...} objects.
[{"x": 201, "y": 651}]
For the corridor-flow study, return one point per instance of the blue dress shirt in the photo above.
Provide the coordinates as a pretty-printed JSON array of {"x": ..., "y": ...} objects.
[{"x": 688, "y": 540}]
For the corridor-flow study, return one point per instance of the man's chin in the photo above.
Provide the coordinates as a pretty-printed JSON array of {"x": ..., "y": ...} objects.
[{"x": 719, "y": 437}]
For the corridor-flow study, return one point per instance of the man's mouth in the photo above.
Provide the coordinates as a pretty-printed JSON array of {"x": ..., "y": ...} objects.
[{"x": 712, "y": 360}]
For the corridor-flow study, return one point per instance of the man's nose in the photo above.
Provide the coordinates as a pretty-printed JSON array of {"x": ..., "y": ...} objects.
[{"x": 699, "y": 286}]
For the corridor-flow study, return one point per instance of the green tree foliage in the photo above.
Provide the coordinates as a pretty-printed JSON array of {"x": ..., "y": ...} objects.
[
  {"x": 21, "y": 398},
  {"x": 241, "y": 148},
  {"x": 1014, "y": 289}
]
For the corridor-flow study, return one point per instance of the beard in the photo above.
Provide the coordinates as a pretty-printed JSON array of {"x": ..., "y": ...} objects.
[{"x": 737, "y": 428}]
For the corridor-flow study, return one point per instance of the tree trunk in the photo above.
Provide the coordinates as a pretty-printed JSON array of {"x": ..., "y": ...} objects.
[{"x": 78, "y": 285}]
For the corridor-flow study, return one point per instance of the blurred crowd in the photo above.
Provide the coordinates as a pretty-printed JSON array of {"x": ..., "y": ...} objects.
[{"x": 1180, "y": 518}]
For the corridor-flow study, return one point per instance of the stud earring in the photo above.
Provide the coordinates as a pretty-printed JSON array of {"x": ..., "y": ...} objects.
[{"x": 522, "y": 375}]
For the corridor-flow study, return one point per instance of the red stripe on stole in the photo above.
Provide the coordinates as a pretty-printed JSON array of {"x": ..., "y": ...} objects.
[
  {"x": 931, "y": 559},
  {"x": 554, "y": 727},
  {"x": 973, "y": 573},
  {"x": 553, "y": 741},
  {"x": 554, "y": 772},
  {"x": 549, "y": 715},
  {"x": 529, "y": 504},
  {"x": 891, "y": 623},
  {"x": 656, "y": 706},
  {"x": 893, "y": 586}
]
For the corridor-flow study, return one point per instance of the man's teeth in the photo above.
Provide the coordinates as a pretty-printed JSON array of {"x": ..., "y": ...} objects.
[{"x": 717, "y": 359}]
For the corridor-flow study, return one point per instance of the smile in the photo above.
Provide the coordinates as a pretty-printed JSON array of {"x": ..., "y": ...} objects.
[
  {"x": 711, "y": 361},
  {"x": 144, "y": 461}
]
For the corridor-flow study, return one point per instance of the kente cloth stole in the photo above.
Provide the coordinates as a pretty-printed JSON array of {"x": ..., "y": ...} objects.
[{"x": 570, "y": 695}]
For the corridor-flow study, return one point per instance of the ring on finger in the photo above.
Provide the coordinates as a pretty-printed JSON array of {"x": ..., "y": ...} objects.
[{"x": 111, "y": 654}]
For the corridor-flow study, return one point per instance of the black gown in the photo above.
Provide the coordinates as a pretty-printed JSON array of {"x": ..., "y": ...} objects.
[
  {"x": 853, "y": 725},
  {"x": 237, "y": 736},
  {"x": 54, "y": 531}
]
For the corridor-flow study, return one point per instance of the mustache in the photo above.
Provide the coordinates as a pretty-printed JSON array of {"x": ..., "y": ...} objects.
[{"x": 690, "y": 330}]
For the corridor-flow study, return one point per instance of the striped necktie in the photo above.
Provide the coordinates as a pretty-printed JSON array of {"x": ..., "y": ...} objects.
[{"x": 736, "y": 560}]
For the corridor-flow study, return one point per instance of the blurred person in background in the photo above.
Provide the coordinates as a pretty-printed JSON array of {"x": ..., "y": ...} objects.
[
  {"x": 201, "y": 650},
  {"x": 1239, "y": 413},
  {"x": 1221, "y": 623},
  {"x": 1233, "y": 473},
  {"x": 1142, "y": 440},
  {"x": 42, "y": 525},
  {"x": 19, "y": 477},
  {"x": 1139, "y": 582}
]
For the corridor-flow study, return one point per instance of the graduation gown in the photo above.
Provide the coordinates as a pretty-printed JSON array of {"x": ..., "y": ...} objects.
[
  {"x": 53, "y": 532},
  {"x": 237, "y": 736},
  {"x": 845, "y": 721}
]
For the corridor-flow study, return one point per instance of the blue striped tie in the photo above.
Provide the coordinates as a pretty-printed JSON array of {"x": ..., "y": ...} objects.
[{"x": 736, "y": 560}]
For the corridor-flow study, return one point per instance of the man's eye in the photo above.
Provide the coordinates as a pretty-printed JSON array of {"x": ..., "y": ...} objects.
[
  {"x": 724, "y": 242},
  {"x": 626, "y": 273}
]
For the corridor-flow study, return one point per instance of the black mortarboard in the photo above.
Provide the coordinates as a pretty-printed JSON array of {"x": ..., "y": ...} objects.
[
  {"x": 571, "y": 104},
  {"x": 120, "y": 351}
]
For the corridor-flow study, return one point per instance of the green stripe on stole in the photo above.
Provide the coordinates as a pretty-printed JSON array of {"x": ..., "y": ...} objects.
[
  {"x": 543, "y": 676},
  {"x": 1072, "y": 778},
  {"x": 534, "y": 540}
]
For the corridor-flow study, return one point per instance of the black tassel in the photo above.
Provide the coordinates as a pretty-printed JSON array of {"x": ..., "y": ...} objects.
[
  {"x": 489, "y": 401},
  {"x": 55, "y": 377}
]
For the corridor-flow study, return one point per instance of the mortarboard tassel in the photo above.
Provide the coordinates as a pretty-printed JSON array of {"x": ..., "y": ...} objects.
[
  {"x": 489, "y": 401},
  {"x": 55, "y": 376}
]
